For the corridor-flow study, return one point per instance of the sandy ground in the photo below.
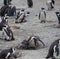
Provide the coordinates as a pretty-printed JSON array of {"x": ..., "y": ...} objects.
[{"x": 46, "y": 31}]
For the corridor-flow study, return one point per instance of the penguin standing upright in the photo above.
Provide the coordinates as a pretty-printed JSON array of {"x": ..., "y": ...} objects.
[
  {"x": 30, "y": 3},
  {"x": 54, "y": 49},
  {"x": 42, "y": 15}
]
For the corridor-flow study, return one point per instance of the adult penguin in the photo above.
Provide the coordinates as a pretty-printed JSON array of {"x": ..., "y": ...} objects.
[
  {"x": 54, "y": 50},
  {"x": 42, "y": 15},
  {"x": 7, "y": 34},
  {"x": 20, "y": 17},
  {"x": 31, "y": 43},
  {"x": 30, "y": 3}
]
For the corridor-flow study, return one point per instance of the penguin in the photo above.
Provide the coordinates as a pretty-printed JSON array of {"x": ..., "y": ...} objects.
[
  {"x": 7, "y": 34},
  {"x": 30, "y": 3},
  {"x": 58, "y": 16},
  {"x": 20, "y": 17},
  {"x": 6, "y": 53},
  {"x": 31, "y": 43},
  {"x": 42, "y": 15},
  {"x": 53, "y": 51}
]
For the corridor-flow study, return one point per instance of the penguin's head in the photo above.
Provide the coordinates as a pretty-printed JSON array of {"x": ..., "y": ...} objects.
[{"x": 42, "y": 8}]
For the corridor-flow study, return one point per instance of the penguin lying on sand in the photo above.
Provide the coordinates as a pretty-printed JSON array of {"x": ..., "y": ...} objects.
[{"x": 31, "y": 43}]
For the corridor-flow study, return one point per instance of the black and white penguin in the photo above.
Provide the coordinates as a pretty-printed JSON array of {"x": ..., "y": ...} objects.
[
  {"x": 20, "y": 17},
  {"x": 42, "y": 15},
  {"x": 54, "y": 50},
  {"x": 31, "y": 43},
  {"x": 30, "y": 3},
  {"x": 7, "y": 34},
  {"x": 58, "y": 16},
  {"x": 6, "y": 53}
]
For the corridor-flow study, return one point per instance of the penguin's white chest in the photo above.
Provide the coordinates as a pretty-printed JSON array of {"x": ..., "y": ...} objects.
[{"x": 42, "y": 16}]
